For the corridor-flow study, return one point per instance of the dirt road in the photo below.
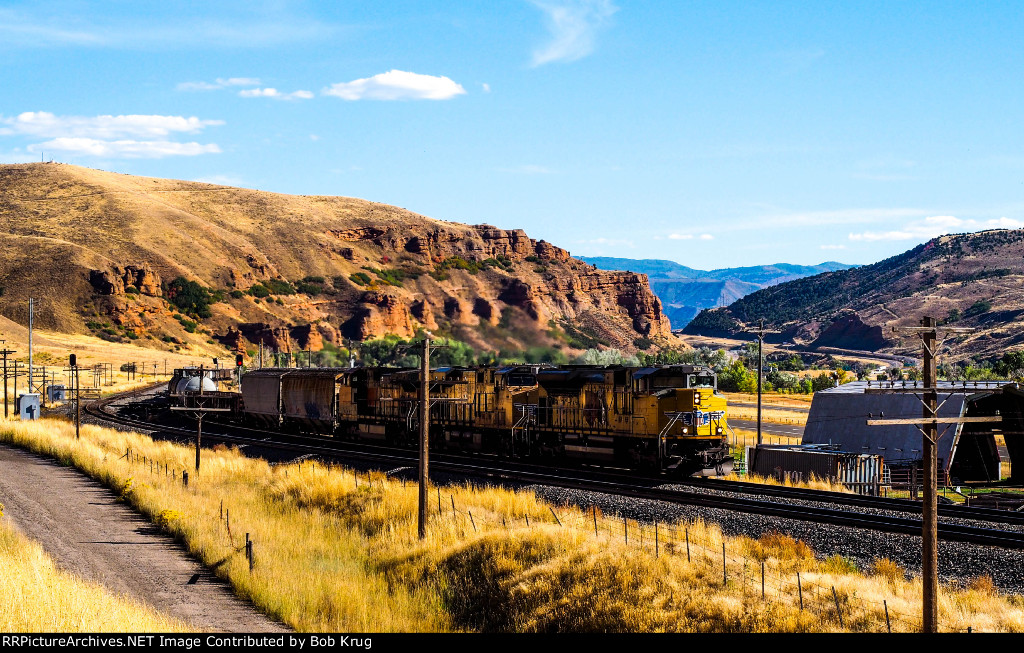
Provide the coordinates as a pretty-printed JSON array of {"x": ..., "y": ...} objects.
[{"x": 87, "y": 532}]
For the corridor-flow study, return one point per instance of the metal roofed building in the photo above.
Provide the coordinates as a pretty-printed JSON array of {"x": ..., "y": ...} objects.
[{"x": 966, "y": 452}]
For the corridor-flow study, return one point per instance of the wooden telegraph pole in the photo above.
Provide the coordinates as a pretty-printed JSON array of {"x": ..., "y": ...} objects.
[
  {"x": 5, "y": 352},
  {"x": 928, "y": 425},
  {"x": 198, "y": 404},
  {"x": 760, "y": 333},
  {"x": 424, "y": 433}
]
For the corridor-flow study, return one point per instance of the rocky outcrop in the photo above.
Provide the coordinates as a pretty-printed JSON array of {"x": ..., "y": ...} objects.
[
  {"x": 379, "y": 313},
  {"x": 116, "y": 280},
  {"x": 484, "y": 241},
  {"x": 106, "y": 282},
  {"x": 143, "y": 278}
]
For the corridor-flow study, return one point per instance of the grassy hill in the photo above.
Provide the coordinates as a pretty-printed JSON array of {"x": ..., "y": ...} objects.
[
  {"x": 971, "y": 280},
  {"x": 115, "y": 255}
]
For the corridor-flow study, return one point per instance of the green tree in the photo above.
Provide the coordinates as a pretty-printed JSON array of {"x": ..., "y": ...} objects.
[{"x": 190, "y": 297}]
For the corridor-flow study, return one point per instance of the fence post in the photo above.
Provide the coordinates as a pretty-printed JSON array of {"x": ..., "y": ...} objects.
[
  {"x": 725, "y": 578},
  {"x": 471, "y": 519},
  {"x": 527, "y": 519},
  {"x": 800, "y": 590},
  {"x": 555, "y": 516},
  {"x": 625, "y": 530},
  {"x": 438, "y": 500},
  {"x": 227, "y": 519},
  {"x": 835, "y": 597},
  {"x": 762, "y": 580},
  {"x": 656, "y": 551},
  {"x": 888, "y": 626},
  {"x": 687, "y": 544},
  {"x": 452, "y": 497},
  {"x": 595, "y": 521},
  {"x": 222, "y": 508},
  {"x": 184, "y": 478}
]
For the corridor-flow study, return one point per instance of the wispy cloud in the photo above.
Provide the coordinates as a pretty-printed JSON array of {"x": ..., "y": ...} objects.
[
  {"x": 123, "y": 149},
  {"x": 276, "y": 94},
  {"x": 573, "y": 26},
  {"x": 690, "y": 237},
  {"x": 42, "y": 25},
  {"x": 42, "y": 123},
  {"x": 219, "y": 84},
  {"x": 124, "y": 136},
  {"x": 832, "y": 247},
  {"x": 936, "y": 225},
  {"x": 608, "y": 241},
  {"x": 776, "y": 219},
  {"x": 397, "y": 85}
]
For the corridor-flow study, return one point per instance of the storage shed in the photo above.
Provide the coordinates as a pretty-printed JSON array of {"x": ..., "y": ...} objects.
[{"x": 966, "y": 452}]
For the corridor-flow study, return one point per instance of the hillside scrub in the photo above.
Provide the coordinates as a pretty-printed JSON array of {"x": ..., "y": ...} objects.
[{"x": 336, "y": 550}]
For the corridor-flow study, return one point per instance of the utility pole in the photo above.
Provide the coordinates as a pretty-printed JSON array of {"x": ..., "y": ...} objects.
[
  {"x": 31, "y": 315},
  {"x": 760, "y": 333},
  {"x": 424, "y": 433},
  {"x": 199, "y": 409},
  {"x": 928, "y": 426},
  {"x": 5, "y": 351}
]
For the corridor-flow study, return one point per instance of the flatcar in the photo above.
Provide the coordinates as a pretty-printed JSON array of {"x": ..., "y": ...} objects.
[{"x": 667, "y": 418}]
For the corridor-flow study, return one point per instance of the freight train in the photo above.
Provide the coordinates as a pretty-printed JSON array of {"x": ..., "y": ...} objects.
[{"x": 667, "y": 418}]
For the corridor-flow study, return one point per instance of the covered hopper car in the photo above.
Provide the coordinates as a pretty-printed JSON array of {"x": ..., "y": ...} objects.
[{"x": 669, "y": 418}]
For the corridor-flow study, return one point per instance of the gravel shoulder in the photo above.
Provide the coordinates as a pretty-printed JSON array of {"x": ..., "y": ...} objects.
[{"x": 83, "y": 527}]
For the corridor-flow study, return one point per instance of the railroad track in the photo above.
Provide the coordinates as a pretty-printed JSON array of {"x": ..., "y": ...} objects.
[{"x": 620, "y": 484}]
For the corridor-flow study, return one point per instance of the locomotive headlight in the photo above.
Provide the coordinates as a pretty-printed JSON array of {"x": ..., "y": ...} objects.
[
  {"x": 718, "y": 431},
  {"x": 696, "y": 397},
  {"x": 685, "y": 430}
]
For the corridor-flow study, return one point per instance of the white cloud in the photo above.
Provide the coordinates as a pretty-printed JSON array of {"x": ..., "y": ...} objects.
[
  {"x": 573, "y": 26},
  {"x": 486, "y": 87},
  {"x": 706, "y": 237},
  {"x": 936, "y": 225},
  {"x": 48, "y": 125},
  {"x": 124, "y": 149},
  {"x": 832, "y": 247},
  {"x": 220, "y": 83},
  {"x": 397, "y": 85},
  {"x": 276, "y": 94}
]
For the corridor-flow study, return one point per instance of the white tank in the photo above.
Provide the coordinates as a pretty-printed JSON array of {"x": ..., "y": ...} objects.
[{"x": 191, "y": 384}]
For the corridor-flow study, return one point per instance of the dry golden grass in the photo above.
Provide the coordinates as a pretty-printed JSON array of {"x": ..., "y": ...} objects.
[
  {"x": 37, "y": 597},
  {"x": 337, "y": 551},
  {"x": 814, "y": 483}
]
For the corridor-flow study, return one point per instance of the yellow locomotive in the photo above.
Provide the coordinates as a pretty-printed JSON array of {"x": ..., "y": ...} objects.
[{"x": 669, "y": 418}]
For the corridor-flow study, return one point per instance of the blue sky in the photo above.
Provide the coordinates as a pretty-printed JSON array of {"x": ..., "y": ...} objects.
[{"x": 715, "y": 134}]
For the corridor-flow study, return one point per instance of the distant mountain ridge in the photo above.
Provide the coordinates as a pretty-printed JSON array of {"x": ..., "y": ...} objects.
[
  {"x": 685, "y": 291},
  {"x": 972, "y": 280}
]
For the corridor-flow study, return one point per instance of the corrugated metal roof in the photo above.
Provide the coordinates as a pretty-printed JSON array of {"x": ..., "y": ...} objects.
[{"x": 838, "y": 416}]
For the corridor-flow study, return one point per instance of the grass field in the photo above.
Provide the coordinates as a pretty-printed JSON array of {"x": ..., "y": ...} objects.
[
  {"x": 338, "y": 551},
  {"x": 37, "y": 597}
]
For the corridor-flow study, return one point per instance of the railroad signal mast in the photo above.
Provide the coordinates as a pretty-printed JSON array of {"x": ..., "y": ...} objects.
[{"x": 929, "y": 331}]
